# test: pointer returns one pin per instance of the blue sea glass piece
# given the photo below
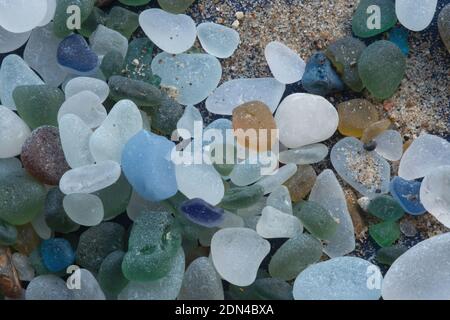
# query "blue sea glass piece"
(407, 193)
(146, 162)
(57, 254)
(399, 36)
(202, 213)
(320, 77)
(75, 55)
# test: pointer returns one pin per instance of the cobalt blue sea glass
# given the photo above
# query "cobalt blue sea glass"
(75, 54)
(202, 213)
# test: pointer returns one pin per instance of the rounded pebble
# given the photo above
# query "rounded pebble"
(237, 254)
(218, 40)
(43, 157)
(173, 33)
(284, 63)
(90, 178)
(298, 115)
(84, 209)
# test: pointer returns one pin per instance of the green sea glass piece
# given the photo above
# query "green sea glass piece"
(344, 55)
(366, 17)
(316, 219)
(112, 64)
(38, 105)
(139, 59)
(96, 243)
(110, 276)
(388, 255)
(166, 115)
(66, 14)
(385, 233)
(294, 256)
(262, 289)
(242, 197)
(386, 208)
(175, 6)
(382, 66)
(96, 17)
(142, 93)
(154, 242)
(123, 21)
(135, 3)
(21, 198)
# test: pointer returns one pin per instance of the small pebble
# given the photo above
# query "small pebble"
(123, 122)
(235, 92)
(285, 64)
(280, 199)
(14, 72)
(407, 194)
(195, 75)
(76, 56)
(202, 213)
(319, 77)
(57, 254)
(80, 84)
(382, 66)
(425, 154)
(310, 154)
(415, 15)
(363, 18)
(147, 167)
(87, 106)
(43, 157)
(84, 209)
(408, 229)
(201, 274)
(173, 33)
(237, 254)
(434, 195)
(297, 129)
(90, 178)
(218, 40)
